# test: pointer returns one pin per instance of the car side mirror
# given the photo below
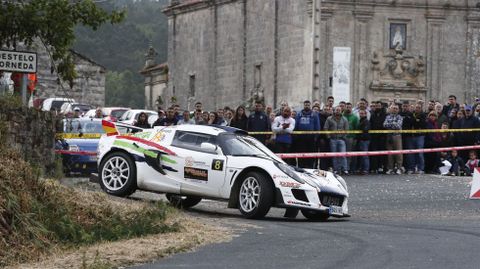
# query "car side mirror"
(208, 147)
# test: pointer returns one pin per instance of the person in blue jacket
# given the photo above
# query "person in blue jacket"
(258, 121)
(306, 120)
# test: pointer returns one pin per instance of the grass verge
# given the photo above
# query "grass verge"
(37, 216)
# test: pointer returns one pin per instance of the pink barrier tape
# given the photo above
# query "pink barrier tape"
(369, 153)
(88, 153)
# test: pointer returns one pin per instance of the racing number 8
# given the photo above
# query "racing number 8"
(217, 165)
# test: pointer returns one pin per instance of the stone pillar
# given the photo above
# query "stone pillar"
(244, 52)
(472, 72)
(325, 56)
(361, 54)
(435, 49)
(316, 26)
(172, 44)
(213, 57)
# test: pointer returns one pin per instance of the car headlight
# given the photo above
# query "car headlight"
(289, 172)
(342, 181)
(73, 148)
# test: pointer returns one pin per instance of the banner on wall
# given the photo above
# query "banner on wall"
(341, 74)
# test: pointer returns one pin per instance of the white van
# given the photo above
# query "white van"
(55, 103)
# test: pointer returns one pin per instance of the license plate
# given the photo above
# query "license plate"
(335, 210)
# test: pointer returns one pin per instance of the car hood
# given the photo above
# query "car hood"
(319, 179)
(326, 181)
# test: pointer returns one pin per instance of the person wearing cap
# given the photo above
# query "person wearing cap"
(468, 138)
(76, 112)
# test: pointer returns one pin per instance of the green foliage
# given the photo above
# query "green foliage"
(122, 48)
(124, 89)
(8, 102)
(53, 22)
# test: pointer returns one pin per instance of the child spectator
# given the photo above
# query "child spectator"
(471, 163)
(457, 164)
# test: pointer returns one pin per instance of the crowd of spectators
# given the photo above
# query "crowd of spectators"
(284, 124)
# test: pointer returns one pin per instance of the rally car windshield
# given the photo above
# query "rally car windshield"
(242, 145)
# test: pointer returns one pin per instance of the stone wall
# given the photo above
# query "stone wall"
(88, 87)
(445, 33)
(229, 50)
(284, 48)
(32, 132)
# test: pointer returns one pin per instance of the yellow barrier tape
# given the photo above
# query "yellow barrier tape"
(379, 131)
(93, 136)
(81, 136)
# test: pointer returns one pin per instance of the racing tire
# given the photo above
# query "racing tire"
(117, 174)
(184, 202)
(315, 215)
(255, 195)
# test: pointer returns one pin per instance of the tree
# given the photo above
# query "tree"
(121, 48)
(52, 22)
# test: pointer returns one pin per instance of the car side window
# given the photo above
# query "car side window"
(191, 140)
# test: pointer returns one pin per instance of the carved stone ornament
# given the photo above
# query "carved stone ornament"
(256, 94)
(150, 57)
(397, 71)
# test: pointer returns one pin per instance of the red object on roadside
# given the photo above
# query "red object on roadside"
(31, 80)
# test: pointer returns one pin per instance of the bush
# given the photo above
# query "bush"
(37, 214)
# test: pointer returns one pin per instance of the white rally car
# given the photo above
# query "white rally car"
(191, 162)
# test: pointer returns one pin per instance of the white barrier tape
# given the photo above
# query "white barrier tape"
(369, 153)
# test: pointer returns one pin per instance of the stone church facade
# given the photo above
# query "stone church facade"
(227, 52)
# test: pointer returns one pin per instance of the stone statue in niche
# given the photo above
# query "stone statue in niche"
(398, 35)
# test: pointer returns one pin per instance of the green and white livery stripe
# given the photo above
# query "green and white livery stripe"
(126, 145)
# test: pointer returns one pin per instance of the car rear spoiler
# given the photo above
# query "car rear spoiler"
(110, 128)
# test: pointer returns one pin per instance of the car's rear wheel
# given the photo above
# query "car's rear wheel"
(118, 174)
(315, 215)
(255, 195)
(180, 201)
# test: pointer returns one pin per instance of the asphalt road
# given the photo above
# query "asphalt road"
(397, 222)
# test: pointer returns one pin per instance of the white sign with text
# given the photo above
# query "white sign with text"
(18, 61)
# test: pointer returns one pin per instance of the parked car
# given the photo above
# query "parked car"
(192, 162)
(81, 137)
(131, 116)
(36, 103)
(69, 107)
(109, 113)
(56, 103)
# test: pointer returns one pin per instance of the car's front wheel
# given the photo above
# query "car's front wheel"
(315, 215)
(118, 174)
(255, 195)
(179, 201)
